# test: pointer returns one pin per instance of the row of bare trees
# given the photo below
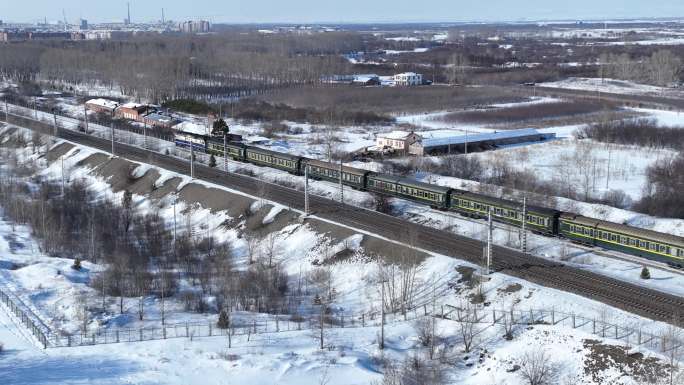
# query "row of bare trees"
(662, 68)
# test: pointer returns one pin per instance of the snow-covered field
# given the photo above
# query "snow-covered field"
(611, 86)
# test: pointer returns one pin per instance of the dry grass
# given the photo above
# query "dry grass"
(383, 100)
(534, 112)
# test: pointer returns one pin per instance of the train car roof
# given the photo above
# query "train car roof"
(220, 141)
(336, 166)
(273, 153)
(385, 177)
(508, 203)
(625, 229)
(425, 186)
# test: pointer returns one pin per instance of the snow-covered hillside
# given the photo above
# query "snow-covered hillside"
(50, 287)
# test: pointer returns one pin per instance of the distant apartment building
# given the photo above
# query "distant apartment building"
(7, 36)
(408, 79)
(84, 24)
(195, 26)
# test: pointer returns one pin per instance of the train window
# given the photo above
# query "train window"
(680, 253)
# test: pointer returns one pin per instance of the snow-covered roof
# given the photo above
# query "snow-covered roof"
(133, 106)
(508, 134)
(192, 128)
(407, 74)
(106, 103)
(395, 135)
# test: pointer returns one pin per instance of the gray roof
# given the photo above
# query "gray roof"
(424, 186)
(273, 153)
(507, 134)
(385, 177)
(336, 166)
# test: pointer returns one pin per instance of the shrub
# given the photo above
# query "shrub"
(77, 264)
(645, 273)
(223, 320)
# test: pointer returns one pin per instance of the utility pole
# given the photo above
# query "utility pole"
(306, 190)
(175, 198)
(112, 127)
(610, 149)
(225, 152)
(341, 185)
(162, 294)
(144, 134)
(523, 241)
(62, 161)
(466, 142)
(35, 107)
(434, 315)
(382, 317)
(6, 111)
(490, 229)
(192, 161)
(85, 117)
(54, 121)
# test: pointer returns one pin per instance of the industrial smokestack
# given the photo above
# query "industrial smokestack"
(128, 20)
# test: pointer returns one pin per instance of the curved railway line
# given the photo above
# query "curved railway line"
(639, 300)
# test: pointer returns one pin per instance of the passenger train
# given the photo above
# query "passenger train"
(588, 231)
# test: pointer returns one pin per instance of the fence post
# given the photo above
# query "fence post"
(187, 330)
(573, 321)
(553, 317)
(69, 340)
(593, 322)
(141, 334)
(639, 336)
(117, 336)
(425, 309)
(493, 317)
(616, 332)
(363, 320)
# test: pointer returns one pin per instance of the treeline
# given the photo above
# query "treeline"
(661, 68)
(161, 67)
(663, 196)
(641, 132)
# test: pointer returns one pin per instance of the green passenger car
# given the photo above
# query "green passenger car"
(235, 151)
(435, 196)
(612, 236)
(539, 219)
(279, 160)
(353, 177)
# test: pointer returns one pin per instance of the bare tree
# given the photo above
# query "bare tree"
(536, 368)
(508, 320)
(467, 319)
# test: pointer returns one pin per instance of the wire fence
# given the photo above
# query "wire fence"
(15, 307)
(630, 335)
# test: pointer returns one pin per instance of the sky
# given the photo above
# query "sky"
(338, 11)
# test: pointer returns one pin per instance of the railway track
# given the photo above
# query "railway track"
(632, 298)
